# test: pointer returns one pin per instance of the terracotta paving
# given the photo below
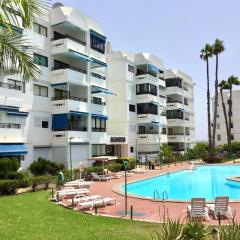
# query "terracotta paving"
(144, 209)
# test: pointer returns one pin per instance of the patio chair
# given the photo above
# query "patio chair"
(100, 177)
(221, 207)
(198, 209)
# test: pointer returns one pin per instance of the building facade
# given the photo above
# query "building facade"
(180, 110)
(221, 133)
(137, 111)
(67, 106)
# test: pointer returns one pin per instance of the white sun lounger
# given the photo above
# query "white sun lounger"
(80, 198)
(221, 206)
(78, 184)
(101, 201)
(71, 192)
(198, 209)
(100, 177)
(138, 170)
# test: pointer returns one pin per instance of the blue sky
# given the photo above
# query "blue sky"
(175, 31)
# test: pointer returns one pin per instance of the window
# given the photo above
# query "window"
(131, 149)
(98, 124)
(132, 108)
(44, 124)
(97, 41)
(131, 68)
(175, 114)
(146, 88)
(218, 125)
(231, 125)
(232, 137)
(219, 137)
(164, 131)
(40, 90)
(96, 100)
(174, 82)
(15, 84)
(147, 108)
(40, 60)
(98, 150)
(37, 28)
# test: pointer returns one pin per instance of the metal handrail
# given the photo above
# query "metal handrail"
(10, 125)
(69, 97)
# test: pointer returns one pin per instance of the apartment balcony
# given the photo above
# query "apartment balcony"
(97, 55)
(11, 133)
(99, 137)
(68, 46)
(148, 118)
(99, 108)
(148, 138)
(65, 104)
(98, 79)
(147, 78)
(161, 83)
(63, 137)
(180, 123)
(143, 98)
(163, 120)
(70, 74)
(179, 138)
(179, 105)
(173, 90)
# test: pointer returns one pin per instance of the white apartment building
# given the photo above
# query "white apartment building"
(180, 110)
(221, 133)
(137, 116)
(68, 103)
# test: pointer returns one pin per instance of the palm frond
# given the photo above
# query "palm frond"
(14, 58)
(218, 46)
(11, 10)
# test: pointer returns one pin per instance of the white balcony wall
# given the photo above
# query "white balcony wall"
(98, 109)
(99, 137)
(147, 78)
(98, 82)
(10, 135)
(147, 118)
(162, 83)
(64, 106)
(97, 55)
(62, 46)
(143, 98)
(148, 138)
(68, 75)
(62, 137)
(11, 97)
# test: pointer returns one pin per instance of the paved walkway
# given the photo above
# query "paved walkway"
(147, 210)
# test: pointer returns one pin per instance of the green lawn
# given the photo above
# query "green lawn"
(31, 216)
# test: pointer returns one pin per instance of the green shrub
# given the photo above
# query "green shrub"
(8, 187)
(200, 150)
(43, 167)
(41, 180)
(87, 171)
(213, 159)
(194, 230)
(114, 167)
(131, 162)
(8, 168)
(229, 232)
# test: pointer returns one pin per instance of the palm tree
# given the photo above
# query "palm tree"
(232, 80)
(218, 48)
(223, 85)
(207, 53)
(15, 50)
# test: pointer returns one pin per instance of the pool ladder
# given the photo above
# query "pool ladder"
(164, 195)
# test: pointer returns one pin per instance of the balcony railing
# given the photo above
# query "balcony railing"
(174, 101)
(98, 76)
(98, 103)
(156, 133)
(10, 125)
(69, 37)
(10, 86)
(69, 67)
(81, 129)
(70, 98)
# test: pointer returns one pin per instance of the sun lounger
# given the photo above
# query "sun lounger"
(100, 177)
(198, 209)
(80, 198)
(221, 207)
(68, 193)
(78, 184)
(101, 201)
(138, 171)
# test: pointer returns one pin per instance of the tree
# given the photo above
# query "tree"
(15, 50)
(232, 80)
(207, 53)
(225, 85)
(166, 153)
(218, 48)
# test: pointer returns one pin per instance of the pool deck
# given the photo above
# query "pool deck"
(145, 209)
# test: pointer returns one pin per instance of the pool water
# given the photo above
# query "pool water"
(206, 181)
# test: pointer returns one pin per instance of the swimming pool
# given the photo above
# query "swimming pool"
(205, 181)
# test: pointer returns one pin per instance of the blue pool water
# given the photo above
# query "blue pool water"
(205, 181)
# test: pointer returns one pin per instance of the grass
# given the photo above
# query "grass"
(32, 216)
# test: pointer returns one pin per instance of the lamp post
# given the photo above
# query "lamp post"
(125, 167)
(70, 150)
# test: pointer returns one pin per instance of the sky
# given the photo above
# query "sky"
(175, 31)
